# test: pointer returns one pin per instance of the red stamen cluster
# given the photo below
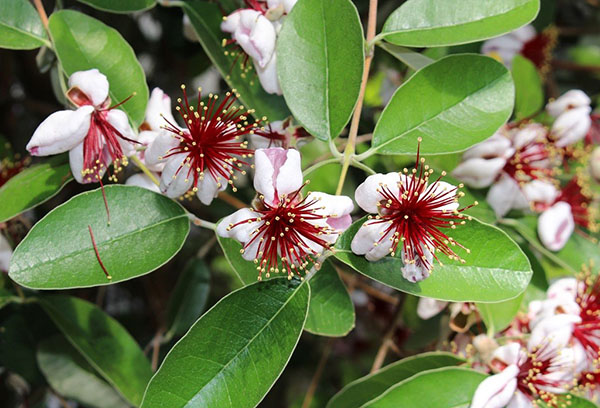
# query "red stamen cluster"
(416, 215)
(529, 162)
(539, 49)
(286, 234)
(212, 137)
(579, 196)
(588, 298)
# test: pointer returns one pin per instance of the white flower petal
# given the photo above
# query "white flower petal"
(505, 195)
(92, 83)
(574, 98)
(61, 131)
(208, 189)
(565, 287)
(5, 254)
(553, 332)
(571, 126)
(277, 172)
(369, 234)
(267, 76)
(76, 163)
(231, 22)
(555, 226)
(539, 191)
(428, 307)
(520, 400)
(367, 195)
(441, 188)
(242, 232)
(417, 271)
(142, 180)
(496, 146)
(529, 134)
(510, 354)
(159, 104)
(496, 390)
(478, 172)
(176, 178)
(119, 120)
(160, 147)
(525, 33)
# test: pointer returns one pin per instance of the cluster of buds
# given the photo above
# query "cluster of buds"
(254, 29)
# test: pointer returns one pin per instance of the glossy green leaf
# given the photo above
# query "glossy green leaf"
(103, 342)
(529, 92)
(188, 299)
(331, 312)
(448, 387)
(71, 376)
(82, 42)
(410, 58)
(244, 270)
(320, 58)
(20, 26)
(33, 186)
(451, 104)
(360, 391)
(497, 316)
(235, 352)
(120, 6)
(434, 23)
(206, 19)
(495, 270)
(146, 230)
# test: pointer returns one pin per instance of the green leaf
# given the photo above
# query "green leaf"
(434, 23)
(497, 316)
(495, 270)
(20, 26)
(448, 387)
(17, 346)
(82, 42)
(189, 298)
(320, 58)
(529, 93)
(71, 376)
(244, 270)
(33, 186)
(146, 230)
(236, 351)
(410, 58)
(120, 6)
(206, 19)
(103, 342)
(452, 104)
(360, 391)
(331, 312)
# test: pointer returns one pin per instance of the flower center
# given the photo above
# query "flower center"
(578, 194)
(528, 163)
(534, 380)
(212, 139)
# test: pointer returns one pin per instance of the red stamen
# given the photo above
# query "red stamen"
(98, 254)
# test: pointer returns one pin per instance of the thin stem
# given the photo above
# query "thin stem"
(145, 169)
(362, 166)
(199, 222)
(387, 339)
(365, 155)
(156, 349)
(232, 201)
(351, 146)
(319, 164)
(334, 149)
(310, 393)
(40, 9)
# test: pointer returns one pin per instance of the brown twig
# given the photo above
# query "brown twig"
(571, 66)
(310, 393)
(387, 338)
(156, 348)
(355, 281)
(40, 9)
(232, 201)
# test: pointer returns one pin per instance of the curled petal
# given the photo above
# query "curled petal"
(539, 191)
(278, 172)
(256, 35)
(231, 22)
(574, 98)
(243, 231)
(369, 241)
(478, 172)
(428, 307)
(5, 254)
(337, 209)
(76, 163)
(571, 126)
(416, 270)
(159, 148)
(529, 134)
(497, 390)
(119, 120)
(510, 354)
(368, 194)
(554, 332)
(61, 131)
(267, 76)
(92, 83)
(444, 191)
(208, 189)
(505, 195)
(520, 400)
(287, 4)
(159, 109)
(496, 146)
(175, 179)
(142, 180)
(565, 287)
(541, 309)
(555, 226)
(525, 33)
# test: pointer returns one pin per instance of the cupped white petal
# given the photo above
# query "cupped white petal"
(478, 172)
(564, 287)
(159, 109)
(209, 188)
(510, 354)
(176, 179)
(5, 254)
(61, 131)
(428, 307)
(574, 98)
(119, 120)
(497, 390)
(160, 147)
(369, 241)
(529, 134)
(144, 181)
(229, 228)
(571, 126)
(92, 83)
(278, 172)
(415, 270)
(520, 400)
(267, 76)
(231, 22)
(555, 226)
(256, 35)
(496, 146)
(539, 191)
(368, 193)
(506, 194)
(553, 332)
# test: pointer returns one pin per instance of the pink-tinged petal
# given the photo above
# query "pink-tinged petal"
(520, 400)
(5, 254)
(159, 109)
(565, 287)
(368, 194)
(541, 309)
(61, 131)
(369, 241)
(428, 307)
(256, 35)
(505, 195)
(529, 134)
(443, 190)
(159, 148)
(416, 271)
(92, 83)
(571, 126)
(208, 189)
(539, 191)
(267, 76)
(76, 163)
(331, 205)
(286, 4)
(496, 390)
(142, 180)
(555, 226)
(478, 172)
(525, 33)
(231, 22)
(241, 232)
(176, 179)
(510, 354)
(574, 98)
(278, 172)
(496, 146)
(119, 120)
(553, 332)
